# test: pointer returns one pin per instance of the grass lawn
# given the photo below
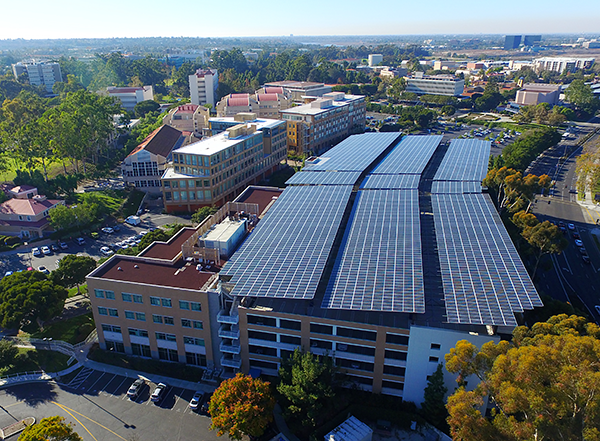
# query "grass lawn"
(33, 360)
(73, 291)
(73, 330)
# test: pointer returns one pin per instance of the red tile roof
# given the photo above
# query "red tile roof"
(27, 207)
(187, 108)
(267, 97)
(160, 142)
(274, 90)
(237, 102)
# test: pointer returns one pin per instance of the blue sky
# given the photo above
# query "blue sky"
(34, 19)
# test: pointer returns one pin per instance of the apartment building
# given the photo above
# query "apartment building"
(144, 166)
(562, 64)
(448, 85)
(130, 96)
(315, 127)
(203, 86)
(375, 59)
(299, 90)
(217, 169)
(39, 73)
(190, 118)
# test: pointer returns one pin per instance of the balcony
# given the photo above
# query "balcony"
(230, 349)
(234, 363)
(226, 331)
(226, 318)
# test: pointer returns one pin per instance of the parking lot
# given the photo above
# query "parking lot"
(96, 403)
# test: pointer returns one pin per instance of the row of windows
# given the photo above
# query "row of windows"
(108, 311)
(188, 195)
(270, 321)
(135, 298)
(154, 301)
(133, 315)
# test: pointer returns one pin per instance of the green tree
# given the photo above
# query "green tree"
(581, 95)
(28, 296)
(546, 238)
(202, 213)
(8, 352)
(307, 385)
(50, 429)
(61, 217)
(544, 385)
(141, 109)
(434, 407)
(72, 270)
(242, 406)
(158, 235)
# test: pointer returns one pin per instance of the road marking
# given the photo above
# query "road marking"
(89, 419)
(124, 379)
(102, 375)
(75, 418)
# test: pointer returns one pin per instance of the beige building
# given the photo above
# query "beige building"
(265, 103)
(298, 90)
(217, 169)
(190, 118)
(533, 94)
(317, 126)
(203, 86)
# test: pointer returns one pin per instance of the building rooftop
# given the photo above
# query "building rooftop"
(263, 196)
(168, 250)
(160, 142)
(186, 108)
(321, 105)
(27, 207)
(295, 84)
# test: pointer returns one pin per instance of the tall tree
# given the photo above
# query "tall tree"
(72, 270)
(434, 407)
(581, 95)
(546, 238)
(50, 429)
(242, 406)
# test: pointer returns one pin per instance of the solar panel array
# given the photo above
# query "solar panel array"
(455, 187)
(323, 178)
(465, 160)
(355, 153)
(410, 156)
(286, 253)
(379, 266)
(484, 279)
(389, 182)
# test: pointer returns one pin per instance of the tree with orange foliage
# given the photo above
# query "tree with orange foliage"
(242, 406)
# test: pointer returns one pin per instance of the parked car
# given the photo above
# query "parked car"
(36, 252)
(586, 259)
(107, 251)
(63, 246)
(80, 241)
(108, 230)
(8, 273)
(576, 235)
(197, 400)
(135, 388)
(159, 393)
(43, 269)
(46, 251)
(133, 220)
(54, 247)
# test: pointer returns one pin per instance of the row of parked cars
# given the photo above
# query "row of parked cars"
(200, 402)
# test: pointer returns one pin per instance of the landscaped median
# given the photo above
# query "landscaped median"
(17, 427)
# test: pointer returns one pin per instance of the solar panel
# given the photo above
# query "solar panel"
(379, 266)
(411, 155)
(355, 153)
(390, 182)
(465, 160)
(484, 279)
(323, 178)
(286, 253)
(455, 187)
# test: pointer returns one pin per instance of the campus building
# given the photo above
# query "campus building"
(298, 90)
(203, 86)
(315, 127)
(130, 96)
(266, 103)
(39, 73)
(190, 118)
(536, 93)
(382, 253)
(217, 169)
(512, 42)
(562, 64)
(448, 85)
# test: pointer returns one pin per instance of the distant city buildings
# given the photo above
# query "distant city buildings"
(203, 86)
(435, 84)
(39, 73)
(315, 127)
(562, 64)
(512, 42)
(531, 40)
(130, 96)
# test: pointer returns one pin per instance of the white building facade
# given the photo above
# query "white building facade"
(130, 96)
(39, 73)
(448, 85)
(203, 86)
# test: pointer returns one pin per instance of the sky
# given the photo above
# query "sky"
(41, 19)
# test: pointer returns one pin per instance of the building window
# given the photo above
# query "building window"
(165, 336)
(165, 302)
(138, 332)
(168, 354)
(262, 335)
(198, 324)
(99, 293)
(193, 341)
(185, 323)
(396, 339)
(113, 312)
(195, 306)
(290, 324)
(141, 350)
(436, 346)
(261, 364)
(169, 320)
(155, 301)
(115, 346)
(290, 339)
(141, 316)
(395, 355)
(394, 370)
(111, 328)
(261, 320)
(321, 329)
(392, 385)
(129, 315)
(321, 344)
(260, 350)
(434, 359)
(359, 334)
(157, 318)
(195, 359)
(126, 297)
(184, 305)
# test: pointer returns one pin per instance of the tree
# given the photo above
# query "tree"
(581, 95)
(145, 107)
(28, 296)
(8, 352)
(547, 238)
(202, 213)
(544, 385)
(61, 217)
(242, 406)
(72, 270)
(157, 235)
(433, 407)
(306, 383)
(50, 429)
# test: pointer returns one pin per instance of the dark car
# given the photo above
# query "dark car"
(54, 247)
(576, 235)
(135, 388)
(205, 406)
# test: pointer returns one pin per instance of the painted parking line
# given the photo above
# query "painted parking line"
(118, 381)
(99, 384)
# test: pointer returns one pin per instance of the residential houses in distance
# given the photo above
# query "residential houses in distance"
(130, 96)
(39, 72)
(25, 214)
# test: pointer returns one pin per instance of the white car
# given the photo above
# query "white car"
(46, 250)
(108, 230)
(107, 251)
(43, 269)
(36, 251)
(578, 243)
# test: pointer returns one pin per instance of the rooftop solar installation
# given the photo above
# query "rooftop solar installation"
(465, 160)
(455, 187)
(323, 178)
(484, 279)
(391, 182)
(355, 153)
(379, 265)
(286, 253)
(411, 155)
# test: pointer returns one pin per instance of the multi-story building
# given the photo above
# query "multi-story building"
(530, 40)
(535, 93)
(203, 86)
(266, 103)
(39, 73)
(144, 166)
(188, 118)
(298, 90)
(235, 103)
(375, 59)
(512, 42)
(562, 64)
(130, 96)
(359, 258)
(435, 84)
(317, 126)
(217, 169)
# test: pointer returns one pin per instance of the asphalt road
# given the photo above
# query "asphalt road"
(99, 409)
